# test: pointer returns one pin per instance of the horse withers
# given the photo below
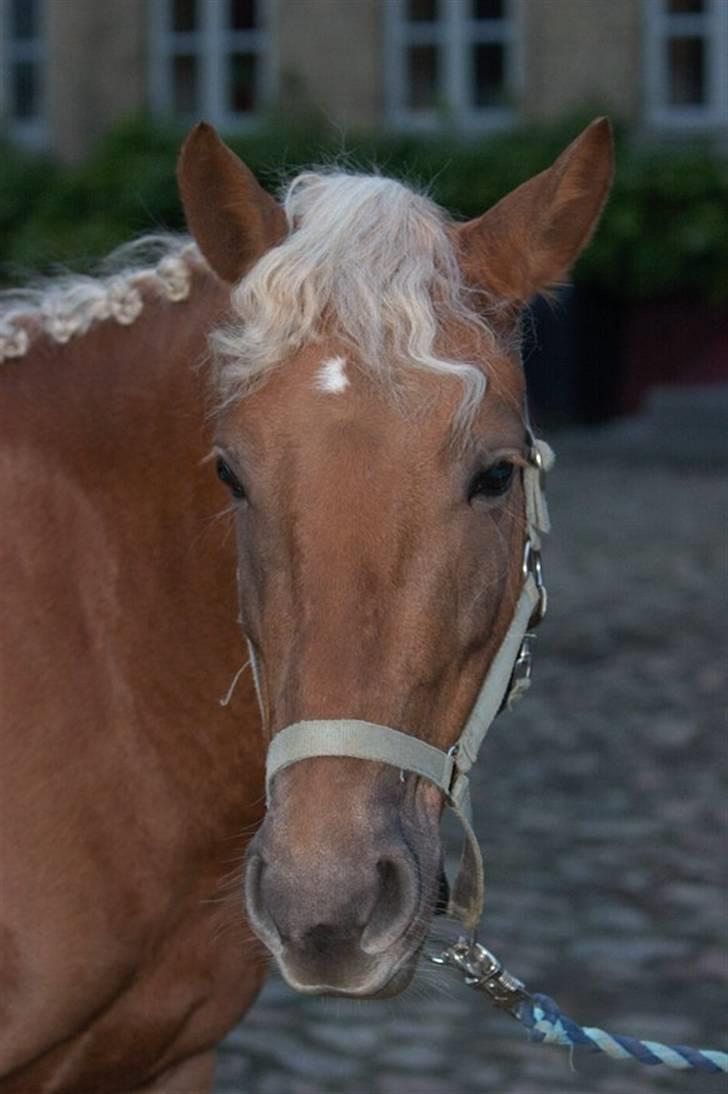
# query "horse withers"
(368, 423)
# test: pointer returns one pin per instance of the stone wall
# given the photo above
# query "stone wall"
(96, 69)
(582, 53)
(328, 57)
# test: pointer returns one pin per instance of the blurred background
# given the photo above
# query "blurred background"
(601, 804)
(468, 97)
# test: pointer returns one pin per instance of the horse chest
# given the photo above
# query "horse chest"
(192, 978)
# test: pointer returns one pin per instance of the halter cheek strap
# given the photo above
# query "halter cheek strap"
(505, 682)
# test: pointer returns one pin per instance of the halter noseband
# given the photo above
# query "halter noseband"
(505, 682)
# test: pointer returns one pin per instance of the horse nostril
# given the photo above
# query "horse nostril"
(261, 920)
(396, 904)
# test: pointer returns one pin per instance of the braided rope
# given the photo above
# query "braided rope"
(546, 1024)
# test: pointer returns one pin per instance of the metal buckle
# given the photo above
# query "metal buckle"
(482, 970)
(455, 773)
(536, 460)
(521, 675)
(532, 566)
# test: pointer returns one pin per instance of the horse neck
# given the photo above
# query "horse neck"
(112, 385)
(106, 438)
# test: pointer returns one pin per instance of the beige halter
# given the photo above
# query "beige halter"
(506, 680)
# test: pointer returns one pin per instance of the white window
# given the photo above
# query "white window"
(687, 62)
(210, 59)
(451, 60)
(22, 68)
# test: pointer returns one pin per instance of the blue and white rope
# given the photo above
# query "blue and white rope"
(546, 1024)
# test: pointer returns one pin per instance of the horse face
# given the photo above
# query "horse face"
(379, 562)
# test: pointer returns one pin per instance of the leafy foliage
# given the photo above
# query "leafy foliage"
(665, 229)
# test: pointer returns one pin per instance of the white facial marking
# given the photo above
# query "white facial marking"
(331, 376)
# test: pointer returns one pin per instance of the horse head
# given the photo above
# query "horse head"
(370, 427)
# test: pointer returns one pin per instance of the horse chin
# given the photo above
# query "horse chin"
(400, 979)
(381, 984)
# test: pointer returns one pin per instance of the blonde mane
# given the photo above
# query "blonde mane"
(66, 307)
(368, 260)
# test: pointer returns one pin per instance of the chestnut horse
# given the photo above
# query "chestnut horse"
(368, 425)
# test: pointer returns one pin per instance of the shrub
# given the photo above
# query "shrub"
(665, 229)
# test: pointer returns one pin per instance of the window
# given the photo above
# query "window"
(687, 62)
(209, 59)
(450, 59)
(22, 67)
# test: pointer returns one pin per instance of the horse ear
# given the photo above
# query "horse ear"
(529, 240)
(232, 218)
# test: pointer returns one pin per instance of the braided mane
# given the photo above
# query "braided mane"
(63, 308)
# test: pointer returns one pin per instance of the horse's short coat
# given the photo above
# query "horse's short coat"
(369, 577)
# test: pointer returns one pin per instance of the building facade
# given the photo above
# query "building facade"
(70, 68)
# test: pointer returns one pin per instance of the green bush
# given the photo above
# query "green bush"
(665, 229)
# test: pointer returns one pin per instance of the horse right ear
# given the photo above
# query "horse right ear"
(527, 243)
(232, 218)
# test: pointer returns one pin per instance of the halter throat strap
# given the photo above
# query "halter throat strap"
(447, 770)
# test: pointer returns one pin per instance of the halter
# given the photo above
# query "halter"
(505, 682)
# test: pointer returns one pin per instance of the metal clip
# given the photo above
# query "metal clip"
(483, 971)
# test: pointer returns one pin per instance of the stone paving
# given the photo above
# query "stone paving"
(601, 807)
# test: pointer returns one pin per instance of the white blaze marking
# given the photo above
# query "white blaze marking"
(331, 376)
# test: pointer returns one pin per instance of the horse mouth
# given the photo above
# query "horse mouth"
(379, 984)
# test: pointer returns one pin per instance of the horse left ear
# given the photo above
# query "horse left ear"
(528, 241)
(232, 218)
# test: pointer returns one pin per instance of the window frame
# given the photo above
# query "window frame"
(454, 33)
(211, 43)
(30, 131)
(659, 27)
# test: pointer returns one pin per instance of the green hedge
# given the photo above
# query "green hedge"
(665, 229)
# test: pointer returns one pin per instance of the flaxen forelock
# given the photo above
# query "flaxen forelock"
(371, 262)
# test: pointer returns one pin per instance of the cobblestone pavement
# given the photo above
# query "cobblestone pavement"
(601, 807)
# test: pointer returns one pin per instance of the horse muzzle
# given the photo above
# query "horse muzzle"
(344, 907)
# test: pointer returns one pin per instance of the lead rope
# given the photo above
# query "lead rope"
(546, 1024)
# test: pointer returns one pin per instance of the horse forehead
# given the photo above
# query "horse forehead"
(325, 404)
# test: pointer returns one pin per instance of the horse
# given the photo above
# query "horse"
(362, 402)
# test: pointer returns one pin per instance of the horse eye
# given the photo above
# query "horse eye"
(492, 482)
(227, 476)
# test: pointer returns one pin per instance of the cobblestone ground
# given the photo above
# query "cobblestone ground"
(601, 807)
